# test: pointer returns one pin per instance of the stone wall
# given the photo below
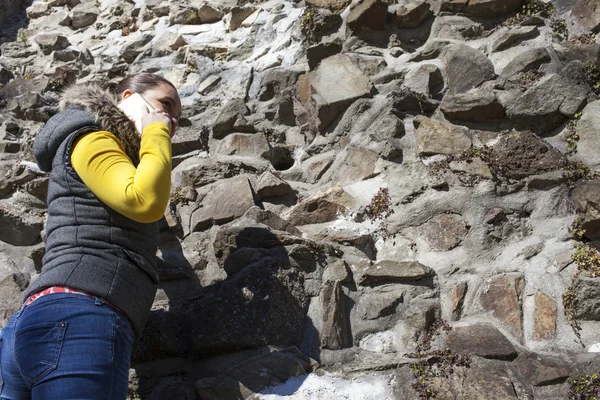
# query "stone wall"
(404, 194)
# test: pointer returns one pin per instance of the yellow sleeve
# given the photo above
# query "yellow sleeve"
(140, 194)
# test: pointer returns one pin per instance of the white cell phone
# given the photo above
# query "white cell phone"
(133, 107)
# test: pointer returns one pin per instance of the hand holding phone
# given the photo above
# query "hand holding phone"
(141, 112)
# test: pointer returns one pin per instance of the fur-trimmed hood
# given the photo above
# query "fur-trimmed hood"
(83, 106)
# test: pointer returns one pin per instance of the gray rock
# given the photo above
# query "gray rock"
(229, 239)
(19, 228)
(314, 167)
(455, 27)
(586, 17)
(587, 128)
(412, 15)
(335, 84)
(586, 305)
(269, 185)
(337, 271)
(427, 79)
(379, 304)
(393, 271)
(435, 137)
(320, 207)
(238, 15)
(545, 105)
(208, 14)
(492, 8)
(228, 200)
(514, 36)
(530, 59)
(479, 105)
(84, 15)
(483, 340)
(540, 370)
(167, 43)
(318, 52)
(387, 126)
(367, 15)
(466, 68)
(11, 293)
(38, 9)
(485, 384)
(271, 220)
(231, 115)
(584, 197)
(246, 145)
(335, 333)
(180, 14)
(50, 42)
(354, 164)
(166, 335)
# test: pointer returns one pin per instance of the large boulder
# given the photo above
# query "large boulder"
(480, 105)
(227, 200)
(545, 105)
(530, 59)
(367, 15)
(335, 84)
(585, 196)
(466, 68)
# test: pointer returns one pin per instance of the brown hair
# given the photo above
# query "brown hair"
(141, 82)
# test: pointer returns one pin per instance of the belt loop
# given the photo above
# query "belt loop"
(98, 301)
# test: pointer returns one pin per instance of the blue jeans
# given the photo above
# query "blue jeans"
(65, 346)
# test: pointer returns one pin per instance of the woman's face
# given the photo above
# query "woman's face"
(162, 97)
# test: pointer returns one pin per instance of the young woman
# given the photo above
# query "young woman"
(108, 187)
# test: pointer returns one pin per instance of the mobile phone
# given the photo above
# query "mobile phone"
(133, 107)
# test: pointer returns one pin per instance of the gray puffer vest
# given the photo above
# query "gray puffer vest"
(89, 246)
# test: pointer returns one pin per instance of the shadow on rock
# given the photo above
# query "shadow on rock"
(238, 336)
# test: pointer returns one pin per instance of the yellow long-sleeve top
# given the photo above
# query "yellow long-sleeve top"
(141, 193)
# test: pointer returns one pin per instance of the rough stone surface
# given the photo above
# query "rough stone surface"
(229, 199)
(586, 15)
(321, 207)
(544, 321)
(458, 300)
(334, 85)
(502, 295)
(512, 37)
(445, 232)
(482, 340)
(586, 305)
(519, 154)
(476, 105)
(412, 15)
(466, 68)
(435, 137)
(269, 185)
(528, 60)
(393, 271)
(367, 15)
(335, 334)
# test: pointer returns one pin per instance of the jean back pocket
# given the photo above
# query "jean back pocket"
(38, 348)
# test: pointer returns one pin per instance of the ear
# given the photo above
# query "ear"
(126, 94)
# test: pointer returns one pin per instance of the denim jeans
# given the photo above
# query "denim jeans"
(65, 346)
